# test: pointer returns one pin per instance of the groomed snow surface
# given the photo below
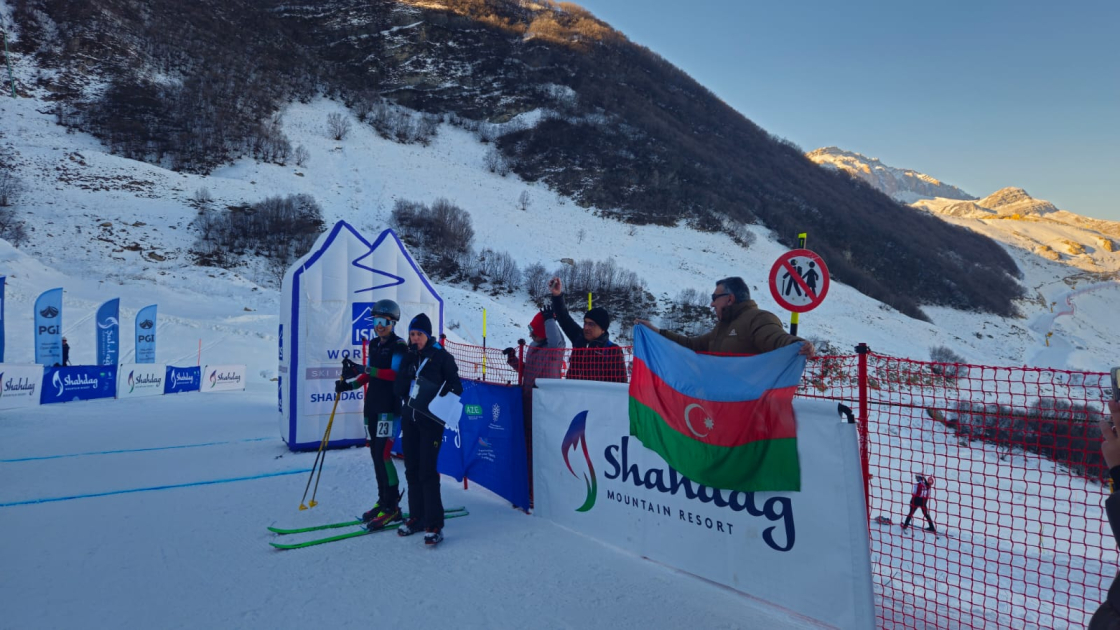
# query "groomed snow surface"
(177, 538)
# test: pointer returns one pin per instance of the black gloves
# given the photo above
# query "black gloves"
(341, 386)
(547, 313)
(350, 369)
(509, 352)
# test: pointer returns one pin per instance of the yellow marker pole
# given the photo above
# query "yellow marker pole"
(589, 300)
(795, 318)
(483, 345)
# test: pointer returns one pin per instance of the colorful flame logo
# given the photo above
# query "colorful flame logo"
(576, 436)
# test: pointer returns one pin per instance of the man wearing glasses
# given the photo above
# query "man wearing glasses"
(741, 327)
(382, 408)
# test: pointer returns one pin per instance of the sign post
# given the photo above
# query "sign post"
(799, 282)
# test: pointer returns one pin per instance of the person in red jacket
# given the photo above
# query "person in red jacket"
(918, 498)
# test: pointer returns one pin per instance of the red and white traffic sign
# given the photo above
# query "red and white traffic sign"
(799, 280)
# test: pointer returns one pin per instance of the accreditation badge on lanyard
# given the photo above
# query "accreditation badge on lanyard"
(414, 391)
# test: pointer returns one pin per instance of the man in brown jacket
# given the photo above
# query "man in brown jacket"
(743, 328)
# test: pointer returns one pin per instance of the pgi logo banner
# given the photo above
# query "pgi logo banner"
(48, 327)
(361, 323)
(146, 335)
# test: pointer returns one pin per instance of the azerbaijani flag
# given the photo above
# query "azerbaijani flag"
(724, 422)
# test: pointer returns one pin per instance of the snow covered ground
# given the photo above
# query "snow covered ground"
(152, 514)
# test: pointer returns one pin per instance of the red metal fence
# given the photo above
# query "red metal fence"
(1021, 539)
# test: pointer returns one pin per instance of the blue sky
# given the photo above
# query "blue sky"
(981, 94)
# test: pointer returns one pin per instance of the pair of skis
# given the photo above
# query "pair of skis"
(454, 512)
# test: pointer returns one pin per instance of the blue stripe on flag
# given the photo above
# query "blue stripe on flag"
(723, 379)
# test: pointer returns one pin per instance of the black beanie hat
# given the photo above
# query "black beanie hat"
(422, 324)
(600, 316)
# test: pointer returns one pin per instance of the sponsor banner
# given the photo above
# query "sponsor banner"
(20, 385)
(86, 382)
(182, 379)
(2, 281)
(225, 378)
(108, 330)
(805, 552)
(140, 379)
(48, 328)
(489, 448)
(146, 335)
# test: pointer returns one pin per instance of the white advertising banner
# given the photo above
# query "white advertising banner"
(19, 385)
(223, 378)
(804, 552)
(325, 317)
(140, 379)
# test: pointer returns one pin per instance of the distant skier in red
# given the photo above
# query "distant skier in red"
(918, 500)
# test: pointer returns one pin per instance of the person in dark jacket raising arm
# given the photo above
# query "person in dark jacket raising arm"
(426, 372)
(594, 356)
(1107, 616)
(741, 327)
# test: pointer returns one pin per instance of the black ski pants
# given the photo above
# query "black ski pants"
(915, 505)
(422, 438)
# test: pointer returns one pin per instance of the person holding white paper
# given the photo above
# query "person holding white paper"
(427, 371)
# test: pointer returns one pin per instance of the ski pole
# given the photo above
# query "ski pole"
(322, 446)
(322, 461)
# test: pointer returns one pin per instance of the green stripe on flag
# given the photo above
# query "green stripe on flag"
(760, 466)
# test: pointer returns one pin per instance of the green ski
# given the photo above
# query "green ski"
(361, 532)
(315, 528)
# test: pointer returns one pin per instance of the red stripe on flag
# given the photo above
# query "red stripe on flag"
(713, 422)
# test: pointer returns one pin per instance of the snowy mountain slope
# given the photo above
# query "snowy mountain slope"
(904, 185)
(358, 179)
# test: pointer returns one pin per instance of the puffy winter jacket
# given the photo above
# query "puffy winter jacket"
(743, 329)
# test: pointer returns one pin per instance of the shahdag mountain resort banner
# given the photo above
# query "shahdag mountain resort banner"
(325, 316)
(108, 332)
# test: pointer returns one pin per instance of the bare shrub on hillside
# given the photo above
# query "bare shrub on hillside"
(338, 125)
(945, 355)
(687, 313)
(536, 277)
(495, 162)
(621, 291)
(440, 235)
(301, 155)
(500, 268)
(11, 187)
(279, 229)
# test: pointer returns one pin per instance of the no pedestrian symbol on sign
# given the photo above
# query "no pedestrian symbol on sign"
(799, 280)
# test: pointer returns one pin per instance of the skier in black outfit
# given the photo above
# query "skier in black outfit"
(594, 356)
(382, 407)
(65, 352)
(427, 371)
